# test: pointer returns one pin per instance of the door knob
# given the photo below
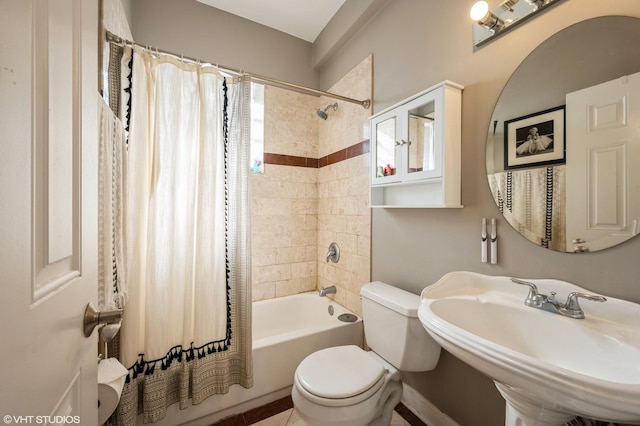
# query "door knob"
(93, 318)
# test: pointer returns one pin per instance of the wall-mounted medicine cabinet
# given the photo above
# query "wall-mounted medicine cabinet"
(415, 150)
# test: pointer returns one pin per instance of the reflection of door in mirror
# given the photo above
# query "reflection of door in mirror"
(386, 147)
(603, 135)
(421, 148)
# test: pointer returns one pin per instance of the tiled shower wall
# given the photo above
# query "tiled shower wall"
(314, 191)
(284, 210)
(344, 215)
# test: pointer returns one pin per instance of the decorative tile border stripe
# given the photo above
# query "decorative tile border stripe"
(316, 163)
(290, 160)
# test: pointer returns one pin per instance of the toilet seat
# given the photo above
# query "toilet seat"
(339, 376)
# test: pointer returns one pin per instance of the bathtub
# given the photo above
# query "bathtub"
(285, 330)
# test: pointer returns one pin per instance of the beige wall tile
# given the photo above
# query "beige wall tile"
(295, 286)
(297, 211)
(290, 123)
(271, 273)
(263, 291)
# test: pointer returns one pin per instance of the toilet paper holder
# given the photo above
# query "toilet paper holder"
(93, 318)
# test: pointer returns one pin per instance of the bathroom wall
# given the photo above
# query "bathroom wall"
(194, 29)
(343, 187)
(284, 206)
(314, 191)
(415, 44)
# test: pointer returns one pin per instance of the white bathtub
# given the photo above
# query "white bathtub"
(285, 330)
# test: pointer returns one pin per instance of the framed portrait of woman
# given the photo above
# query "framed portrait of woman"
(535, 140)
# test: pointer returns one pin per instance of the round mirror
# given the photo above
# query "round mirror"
(563, 150)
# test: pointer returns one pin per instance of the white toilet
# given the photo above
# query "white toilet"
(345, 385)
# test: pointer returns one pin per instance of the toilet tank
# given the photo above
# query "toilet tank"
(392, 328)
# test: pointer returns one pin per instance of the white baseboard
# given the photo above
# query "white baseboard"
(424, 409)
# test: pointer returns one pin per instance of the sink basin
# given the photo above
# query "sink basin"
(548, 367)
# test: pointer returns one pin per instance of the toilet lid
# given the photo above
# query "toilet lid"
(339, 372)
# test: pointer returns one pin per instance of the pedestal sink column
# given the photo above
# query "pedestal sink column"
(524, 411)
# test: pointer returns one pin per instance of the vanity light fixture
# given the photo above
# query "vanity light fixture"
(536, 3)
(491, 23)
(483, 16)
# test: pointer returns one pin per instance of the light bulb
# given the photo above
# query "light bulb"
(479, 10)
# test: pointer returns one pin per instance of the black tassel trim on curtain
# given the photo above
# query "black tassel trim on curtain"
(225, 132)
(509, 200)
(548, 220)
(179, 353)
(127, 90)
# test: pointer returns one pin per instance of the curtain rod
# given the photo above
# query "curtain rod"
(112, 38)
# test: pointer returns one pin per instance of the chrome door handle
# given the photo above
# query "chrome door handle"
(93, 318)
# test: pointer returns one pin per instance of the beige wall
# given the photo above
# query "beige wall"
(415, 44)
(343, 187)
(284, 209)
(194, 29)
(298, 211)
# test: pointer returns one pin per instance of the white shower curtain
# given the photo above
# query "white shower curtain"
(187, 327)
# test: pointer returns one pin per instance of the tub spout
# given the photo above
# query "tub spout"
(328, 290)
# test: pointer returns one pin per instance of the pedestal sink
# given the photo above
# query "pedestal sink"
(549, 368)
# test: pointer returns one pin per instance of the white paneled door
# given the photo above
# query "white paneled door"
(48, 210)
(603, 156)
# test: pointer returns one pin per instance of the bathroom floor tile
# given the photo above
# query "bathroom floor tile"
(282, 413)
(295, 420)
(266, 411)
(280, 419)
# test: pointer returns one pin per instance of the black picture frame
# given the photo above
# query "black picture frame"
(535, 140)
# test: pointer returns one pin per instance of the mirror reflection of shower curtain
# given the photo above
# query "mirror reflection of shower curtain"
(533, 202)
(186, 235)
(421, 145)
(428, 161)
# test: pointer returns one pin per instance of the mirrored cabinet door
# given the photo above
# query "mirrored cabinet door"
(422, 155)
(387, 149)
(421, 149)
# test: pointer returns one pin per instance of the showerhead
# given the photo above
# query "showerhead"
(322, 113)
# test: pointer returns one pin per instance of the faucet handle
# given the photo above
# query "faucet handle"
(573, 305)
(533, 298)
(334, 253)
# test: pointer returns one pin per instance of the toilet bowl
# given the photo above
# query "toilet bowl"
(348, 386)
(345, 385)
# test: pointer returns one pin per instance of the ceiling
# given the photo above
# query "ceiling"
(304, 19)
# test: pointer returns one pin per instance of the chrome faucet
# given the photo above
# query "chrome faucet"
(328, 290)
(571, 308)
(334, 253)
